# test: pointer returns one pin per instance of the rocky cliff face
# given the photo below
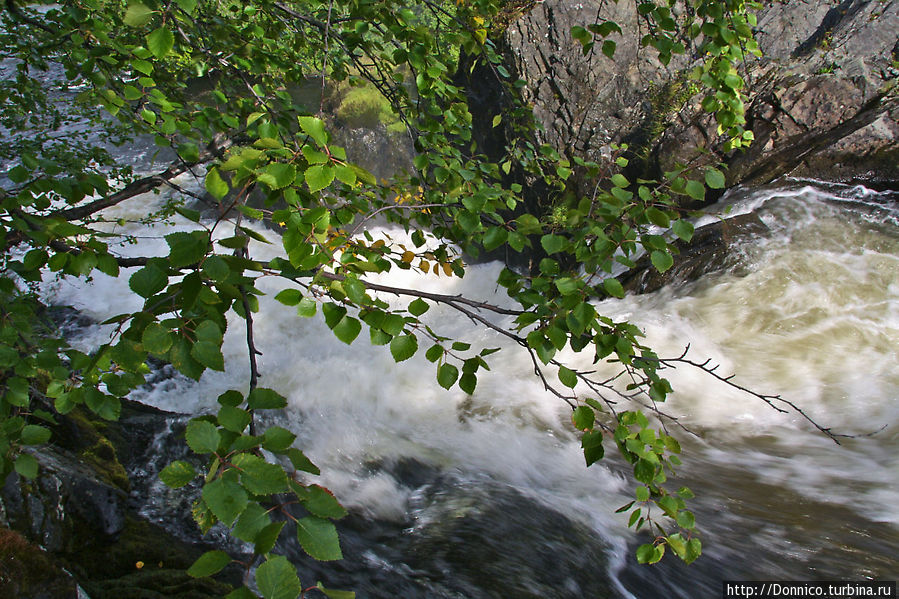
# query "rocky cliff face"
(823, 100)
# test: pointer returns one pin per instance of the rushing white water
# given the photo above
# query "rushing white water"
(811, 311)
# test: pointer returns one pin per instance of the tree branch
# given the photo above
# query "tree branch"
(768, 399)
(436, 297)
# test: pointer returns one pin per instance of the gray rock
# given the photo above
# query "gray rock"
(823, 100)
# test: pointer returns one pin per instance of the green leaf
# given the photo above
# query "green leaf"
(608, 48)
(583, 418)
(216, 268)
(277, 439)
(301, 462)
(278, 175)
(468, 382)
(307, 307)
(695, 190)
(177, 474)
(215, 185)
(209, 354)
(148, 281)
(332, 594)
(495, 237)
(569, 379)
(355, 290)
(138, 15)
(277, 579)
(188, 6)
(553, 243)
(403, 347)
(686, 519)
(258, 476)
(683, 229)
(314, 128)
(144, 66)
(642, 493)
(318, 537)
(251, 522)
(434, 353)
(267, 537)
(33, 434)
(418, 307)
(289, 297)
(645, 553)
(657, 217)
(234, 419)
(678, 544)
(26, 465)
(619, 180)
(226, 499)
(156, 339)
(345, 174)
(261, 398)
(644, 471)
(686, 493)
(693, 550)
(347, 329)
(319, 176)
(662, 260)
(160, 42)
(447, 375)
(321, 503)
(202, 436)
(591, 442)
(179, 356)
(613, 287)
(714, 178)
(103, 405)
(187, 249)
(211, 562)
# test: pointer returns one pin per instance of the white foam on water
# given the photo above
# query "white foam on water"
(814, 315)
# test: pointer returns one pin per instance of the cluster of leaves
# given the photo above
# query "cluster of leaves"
(210, 81)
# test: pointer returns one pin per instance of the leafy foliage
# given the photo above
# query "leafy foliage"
(210, 81)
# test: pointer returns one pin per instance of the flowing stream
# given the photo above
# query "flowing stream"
(487, 495)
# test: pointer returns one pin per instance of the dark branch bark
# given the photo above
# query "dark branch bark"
(20, 16)
(141, 185)
(436, 297)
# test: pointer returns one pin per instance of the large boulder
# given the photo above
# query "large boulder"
(823, 99)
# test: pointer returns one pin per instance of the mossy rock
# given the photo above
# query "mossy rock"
(86, 435)
(28, 572)
(157, 584)
(364, 107)
(145, 561)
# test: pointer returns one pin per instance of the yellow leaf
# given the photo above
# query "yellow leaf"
(425, 266)
(447, 269)
(408, 257)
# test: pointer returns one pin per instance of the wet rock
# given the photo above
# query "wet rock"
(709, 251)
(488, 540)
